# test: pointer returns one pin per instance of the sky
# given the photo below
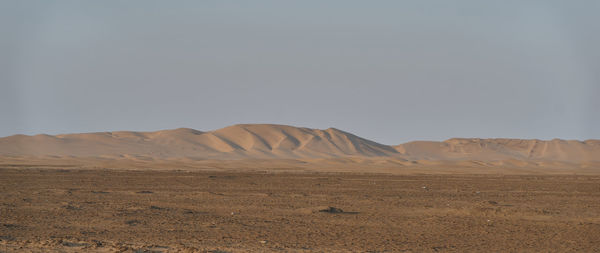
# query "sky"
(389, 71)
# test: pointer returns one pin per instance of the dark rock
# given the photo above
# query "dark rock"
(331, 210)
(157, 208)
(132, 222)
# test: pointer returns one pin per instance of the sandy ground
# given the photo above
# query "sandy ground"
(46, 210)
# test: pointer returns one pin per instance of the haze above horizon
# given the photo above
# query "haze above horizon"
(387, 71)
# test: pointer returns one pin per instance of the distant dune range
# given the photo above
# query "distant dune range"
(280, 142)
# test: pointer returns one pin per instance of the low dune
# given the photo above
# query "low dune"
(503, 149)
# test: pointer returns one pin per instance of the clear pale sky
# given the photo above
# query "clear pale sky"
(390, 71)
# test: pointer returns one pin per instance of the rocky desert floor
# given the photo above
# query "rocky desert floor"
(100, 210)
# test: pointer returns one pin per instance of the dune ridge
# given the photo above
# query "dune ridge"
(270, 141)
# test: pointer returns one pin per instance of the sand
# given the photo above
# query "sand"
(73, 210)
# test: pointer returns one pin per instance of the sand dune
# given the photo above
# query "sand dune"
(267, 141)
(503, 149)
(234, 142)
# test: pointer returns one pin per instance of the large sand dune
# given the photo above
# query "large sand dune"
(234, 142)
(265, 141)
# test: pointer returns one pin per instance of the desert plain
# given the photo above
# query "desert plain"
(273, 188)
